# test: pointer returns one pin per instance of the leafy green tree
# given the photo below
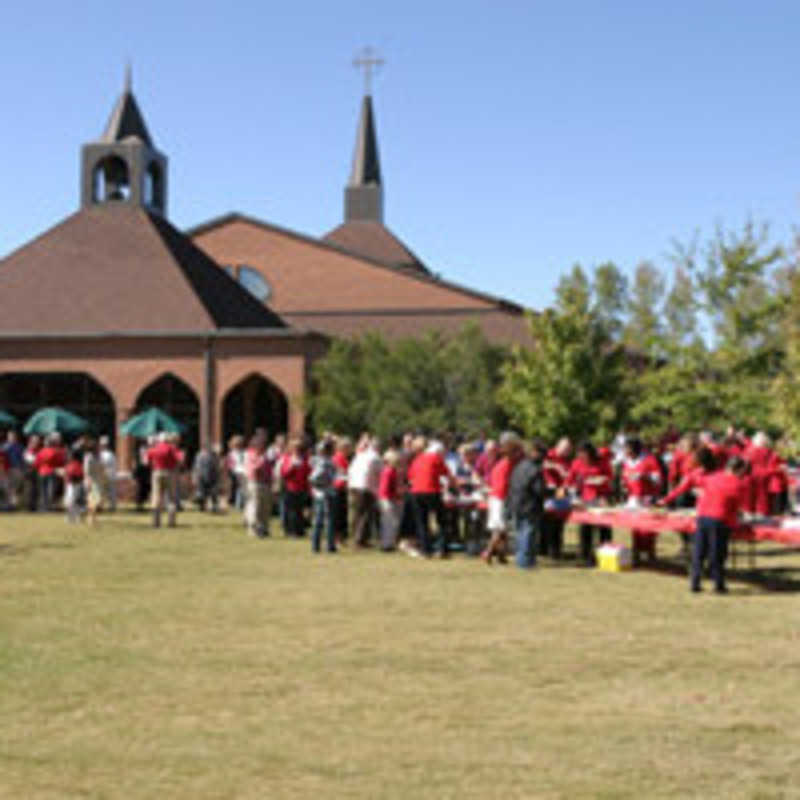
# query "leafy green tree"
(680, 326)
(610, 291)
(432, 383)
(725, 376)
(571, 381)
(644, 328)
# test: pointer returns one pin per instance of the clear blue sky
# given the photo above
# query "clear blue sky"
(516, 138)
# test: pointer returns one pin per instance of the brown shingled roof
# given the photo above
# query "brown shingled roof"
(499, 326)
(374, 240)
(118, 268)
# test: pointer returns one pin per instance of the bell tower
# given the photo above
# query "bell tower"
(123, 166)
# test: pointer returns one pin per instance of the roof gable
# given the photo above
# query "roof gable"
(209, 235)
(118, 268)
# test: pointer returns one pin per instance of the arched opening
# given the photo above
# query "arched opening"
(176, 398)
(23, 393)
(153, 190)
(111, 180)
(254, 403)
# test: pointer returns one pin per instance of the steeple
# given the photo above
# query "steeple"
(363, 196)
(123, 165)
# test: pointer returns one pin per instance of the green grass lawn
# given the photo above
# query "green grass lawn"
(199, 663)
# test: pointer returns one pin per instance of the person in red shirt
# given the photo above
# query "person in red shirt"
(73, 480)
(341, 460)
(591, 477)
(389, 503)
(641, 478)
(295, 470)
(163, 458)
(426, 473)
(718, 508)
(512, 451)
(487, 459)
(763, 465)
(680, 465)
(556, 466)
(778, 487)
(48, 463)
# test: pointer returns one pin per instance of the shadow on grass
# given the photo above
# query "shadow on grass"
(758, 581)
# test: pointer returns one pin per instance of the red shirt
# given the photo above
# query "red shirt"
(720, 494)
(3, 462)
(73, 472)
(682, 464)
(341, 463)
(778, 480)
(163, 456)
(642, 477)
(500, 478)
(49, 459)
(426, 472)
(762, 465)
(387, 490)
(556, 468)
(295, 472)
(485, 464)
(592, 481)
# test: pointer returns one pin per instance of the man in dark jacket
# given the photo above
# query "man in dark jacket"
(526, 504)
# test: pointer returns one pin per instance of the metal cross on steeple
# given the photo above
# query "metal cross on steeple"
(369, 61)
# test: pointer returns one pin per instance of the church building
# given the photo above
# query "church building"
(114, 310)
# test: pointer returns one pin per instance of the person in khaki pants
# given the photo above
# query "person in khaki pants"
(163, 458)
(258, 472)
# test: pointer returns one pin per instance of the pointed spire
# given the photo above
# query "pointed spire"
(126, 120)
(366, 164)
(364, 191)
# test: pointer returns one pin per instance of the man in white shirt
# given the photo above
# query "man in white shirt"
(363, 480)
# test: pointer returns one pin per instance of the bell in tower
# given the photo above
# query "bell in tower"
(123, 166)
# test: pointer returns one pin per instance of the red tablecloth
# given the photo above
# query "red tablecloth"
(656, 523)
(659, 523)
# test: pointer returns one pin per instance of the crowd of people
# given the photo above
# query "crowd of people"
(418, 494)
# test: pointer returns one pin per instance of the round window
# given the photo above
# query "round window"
(254, 282)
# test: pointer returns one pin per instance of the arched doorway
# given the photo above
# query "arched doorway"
(254, 403)
(23, 393)
(176, 398)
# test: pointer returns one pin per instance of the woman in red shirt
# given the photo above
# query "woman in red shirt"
(295, 469)
(499, 481)
(389, 500)
(718, 507)
(641, 477)
(763, 465)
(556, 466)
(49, 462)
(591, 478)
(341, 460)
(426, 474)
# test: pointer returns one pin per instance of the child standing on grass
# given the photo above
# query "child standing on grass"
(73, 479)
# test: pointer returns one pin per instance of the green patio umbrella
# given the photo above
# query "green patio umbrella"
(55, 420)
(7, 420)
(149, 422)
